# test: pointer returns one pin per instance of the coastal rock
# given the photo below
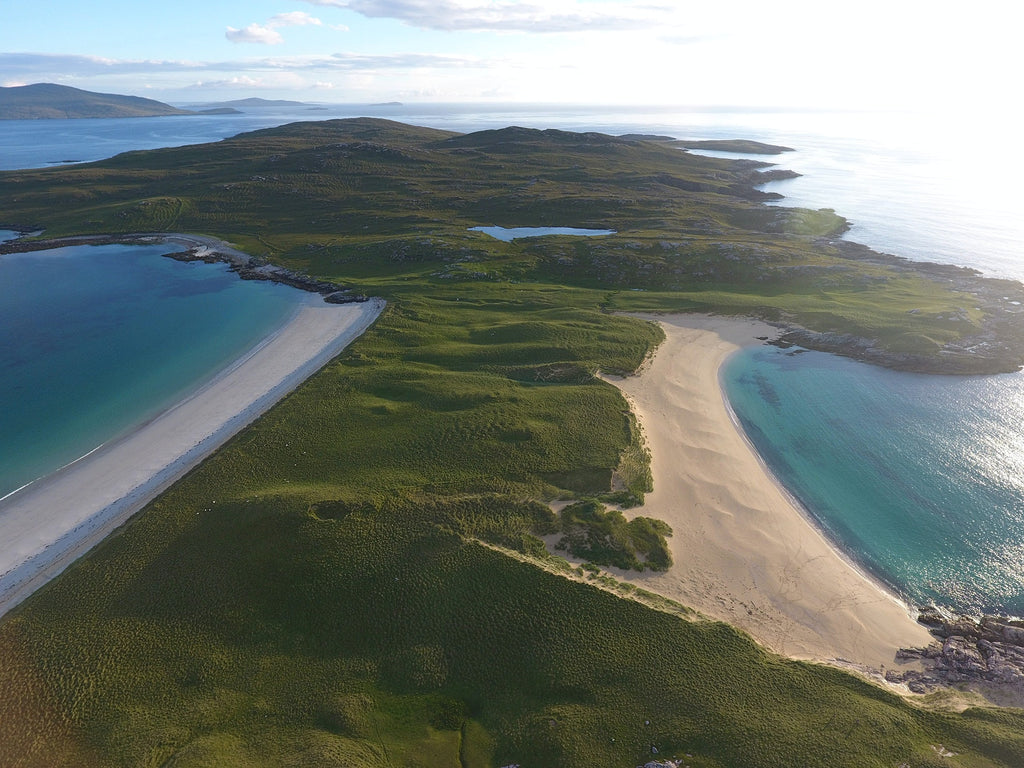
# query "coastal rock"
(931, 616)
(962, 655)
(345, 297)
(986, 650)
(246, 267)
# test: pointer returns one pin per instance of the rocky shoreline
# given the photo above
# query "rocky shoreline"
(987, 651)
(205, 249)
(998, 348)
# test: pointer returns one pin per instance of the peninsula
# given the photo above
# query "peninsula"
(360, 577)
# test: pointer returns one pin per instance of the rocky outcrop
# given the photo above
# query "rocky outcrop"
(251, 268)
(205, 250)
(988, 650)
(985, 353)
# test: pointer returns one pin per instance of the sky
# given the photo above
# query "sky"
(872, 54)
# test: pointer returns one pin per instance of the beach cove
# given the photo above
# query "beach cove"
(743, 551)
(47, 524)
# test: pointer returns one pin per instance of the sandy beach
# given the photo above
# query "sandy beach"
(48, 524)
(743, 551)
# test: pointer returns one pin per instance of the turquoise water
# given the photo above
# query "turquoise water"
(919, 478)
(97, 339)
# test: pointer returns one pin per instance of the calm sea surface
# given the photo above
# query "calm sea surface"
(918, 478)
(95, 340)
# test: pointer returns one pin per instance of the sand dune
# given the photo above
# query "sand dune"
(46, 525)
(743, 551)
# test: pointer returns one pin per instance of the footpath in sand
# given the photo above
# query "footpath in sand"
(743, 552)
(46, 525)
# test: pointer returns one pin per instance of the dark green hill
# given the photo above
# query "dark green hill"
(374, 201)
(51, 101)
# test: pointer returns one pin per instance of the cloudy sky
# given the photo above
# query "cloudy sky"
(791, 53)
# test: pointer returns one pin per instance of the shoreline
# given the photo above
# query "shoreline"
(846, 557)
(197, 248)
(744, 550)
(100, 491)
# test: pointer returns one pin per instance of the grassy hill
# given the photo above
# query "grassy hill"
(356, 579)
(377, 203)
(50, 101)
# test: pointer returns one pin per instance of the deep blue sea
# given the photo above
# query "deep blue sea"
(920, 479)
(95, 340)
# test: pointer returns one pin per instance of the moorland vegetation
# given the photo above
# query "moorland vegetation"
(358, 578)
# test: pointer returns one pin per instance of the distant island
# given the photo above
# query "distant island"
(256, 102)
(49, 101)
(745, 146)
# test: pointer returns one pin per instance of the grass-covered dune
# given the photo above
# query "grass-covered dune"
(356, 579)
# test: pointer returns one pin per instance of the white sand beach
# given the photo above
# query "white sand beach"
(48, 524)
(744, 552)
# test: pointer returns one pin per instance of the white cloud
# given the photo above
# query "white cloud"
(400, 61)
(509, 15)
(254, 33)
(22, 68)
(35, 65)
(267, 34)
(294, 19)
(232, 82)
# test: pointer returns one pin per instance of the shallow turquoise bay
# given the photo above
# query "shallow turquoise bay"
(95, 340)
(919, 478)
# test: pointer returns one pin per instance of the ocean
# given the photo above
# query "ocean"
(917, 478)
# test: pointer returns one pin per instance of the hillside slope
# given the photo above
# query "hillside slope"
(50, 101)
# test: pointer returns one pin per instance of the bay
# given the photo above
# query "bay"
(919, 479)
(95, 340)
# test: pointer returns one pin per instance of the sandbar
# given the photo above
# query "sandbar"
(48, 524)
(743, 551)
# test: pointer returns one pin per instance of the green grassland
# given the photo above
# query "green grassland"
(380, 206)
(356, 578)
